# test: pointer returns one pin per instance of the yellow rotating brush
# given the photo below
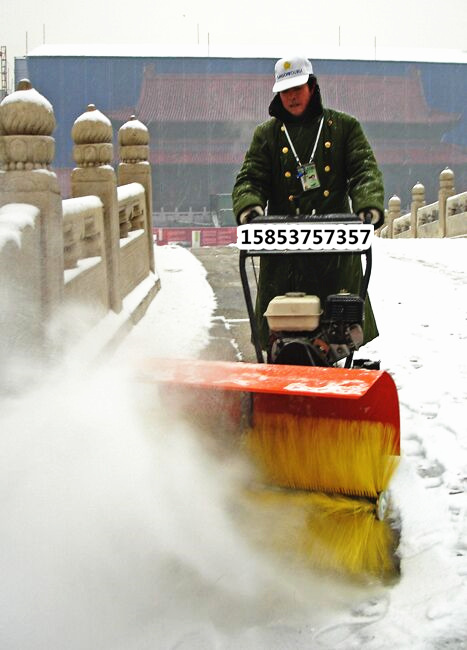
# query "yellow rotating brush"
(331, 473)
(323, 454)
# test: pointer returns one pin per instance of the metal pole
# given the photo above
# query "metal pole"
(249, 306)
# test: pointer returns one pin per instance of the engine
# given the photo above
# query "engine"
(303, 334)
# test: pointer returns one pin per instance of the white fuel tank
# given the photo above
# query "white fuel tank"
(293, 312)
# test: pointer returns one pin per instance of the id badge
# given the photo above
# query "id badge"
(308, 176)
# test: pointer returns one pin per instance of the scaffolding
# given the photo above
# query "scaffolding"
(3, 72)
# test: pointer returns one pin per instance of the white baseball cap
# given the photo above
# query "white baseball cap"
(291, 72)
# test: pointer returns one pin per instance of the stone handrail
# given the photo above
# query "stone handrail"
(133, 220)
(95, 249)
(20, 300)
(456, 215)
(428, 220)
(131, 208)
(446, 217)
(82, 229)
(84, 254)
(401, 225)
(457, 204)
(428, 214)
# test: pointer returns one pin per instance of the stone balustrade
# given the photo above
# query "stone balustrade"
(85, 278)
(446, 217)
(133, 220)
(131, 208)
(94, 250)
(456, 215)
(82, 230)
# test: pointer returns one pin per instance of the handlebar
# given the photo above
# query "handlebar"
(312, 218)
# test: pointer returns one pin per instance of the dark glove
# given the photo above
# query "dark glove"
(253, 211)
(372, 215)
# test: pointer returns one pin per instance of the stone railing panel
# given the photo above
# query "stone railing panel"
(92, 243)
(21, 306)
(131, 208)
(428, 213)
(456, 215)
(73, 235)
(84, 251)
(427, 220)
(124, 222)
(457, 204)
(401, 226)
(134, 261)
(138, 217)
(82, 227)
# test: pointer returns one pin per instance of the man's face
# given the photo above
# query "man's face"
(295, 100)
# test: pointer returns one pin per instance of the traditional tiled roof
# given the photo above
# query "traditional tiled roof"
(383, 100)
(387, 152)
(245, 98)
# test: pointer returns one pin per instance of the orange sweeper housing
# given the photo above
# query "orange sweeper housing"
(324, 439)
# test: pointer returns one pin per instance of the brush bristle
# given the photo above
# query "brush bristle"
(323, 454)
(332, 533)
(342, 534)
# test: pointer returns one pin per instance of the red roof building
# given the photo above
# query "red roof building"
(201, 126)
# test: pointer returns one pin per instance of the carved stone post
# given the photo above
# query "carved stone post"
(394, 211)
(446, 189)
(94, 176)
(133, 138)
(26, 151)
(22, 325)
(418, 200)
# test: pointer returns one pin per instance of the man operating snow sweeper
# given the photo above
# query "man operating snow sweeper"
(307, 159)
(323, 440)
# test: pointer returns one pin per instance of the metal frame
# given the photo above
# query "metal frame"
(321, 219)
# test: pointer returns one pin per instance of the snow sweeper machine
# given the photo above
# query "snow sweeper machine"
(321, 428)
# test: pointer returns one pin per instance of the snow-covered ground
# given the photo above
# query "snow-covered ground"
(115, 526)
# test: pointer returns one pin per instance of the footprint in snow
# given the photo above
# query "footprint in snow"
(374, 608)
(364, 614)
(430, 469)
(413, 447)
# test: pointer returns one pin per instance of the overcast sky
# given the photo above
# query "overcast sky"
(289, 26)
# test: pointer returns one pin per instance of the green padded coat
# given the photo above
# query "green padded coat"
(350, 181)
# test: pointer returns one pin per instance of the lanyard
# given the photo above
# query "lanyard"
(314, 148)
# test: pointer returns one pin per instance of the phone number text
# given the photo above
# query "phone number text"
(338, 237)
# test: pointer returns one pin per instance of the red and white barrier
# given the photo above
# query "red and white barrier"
(194, 237)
